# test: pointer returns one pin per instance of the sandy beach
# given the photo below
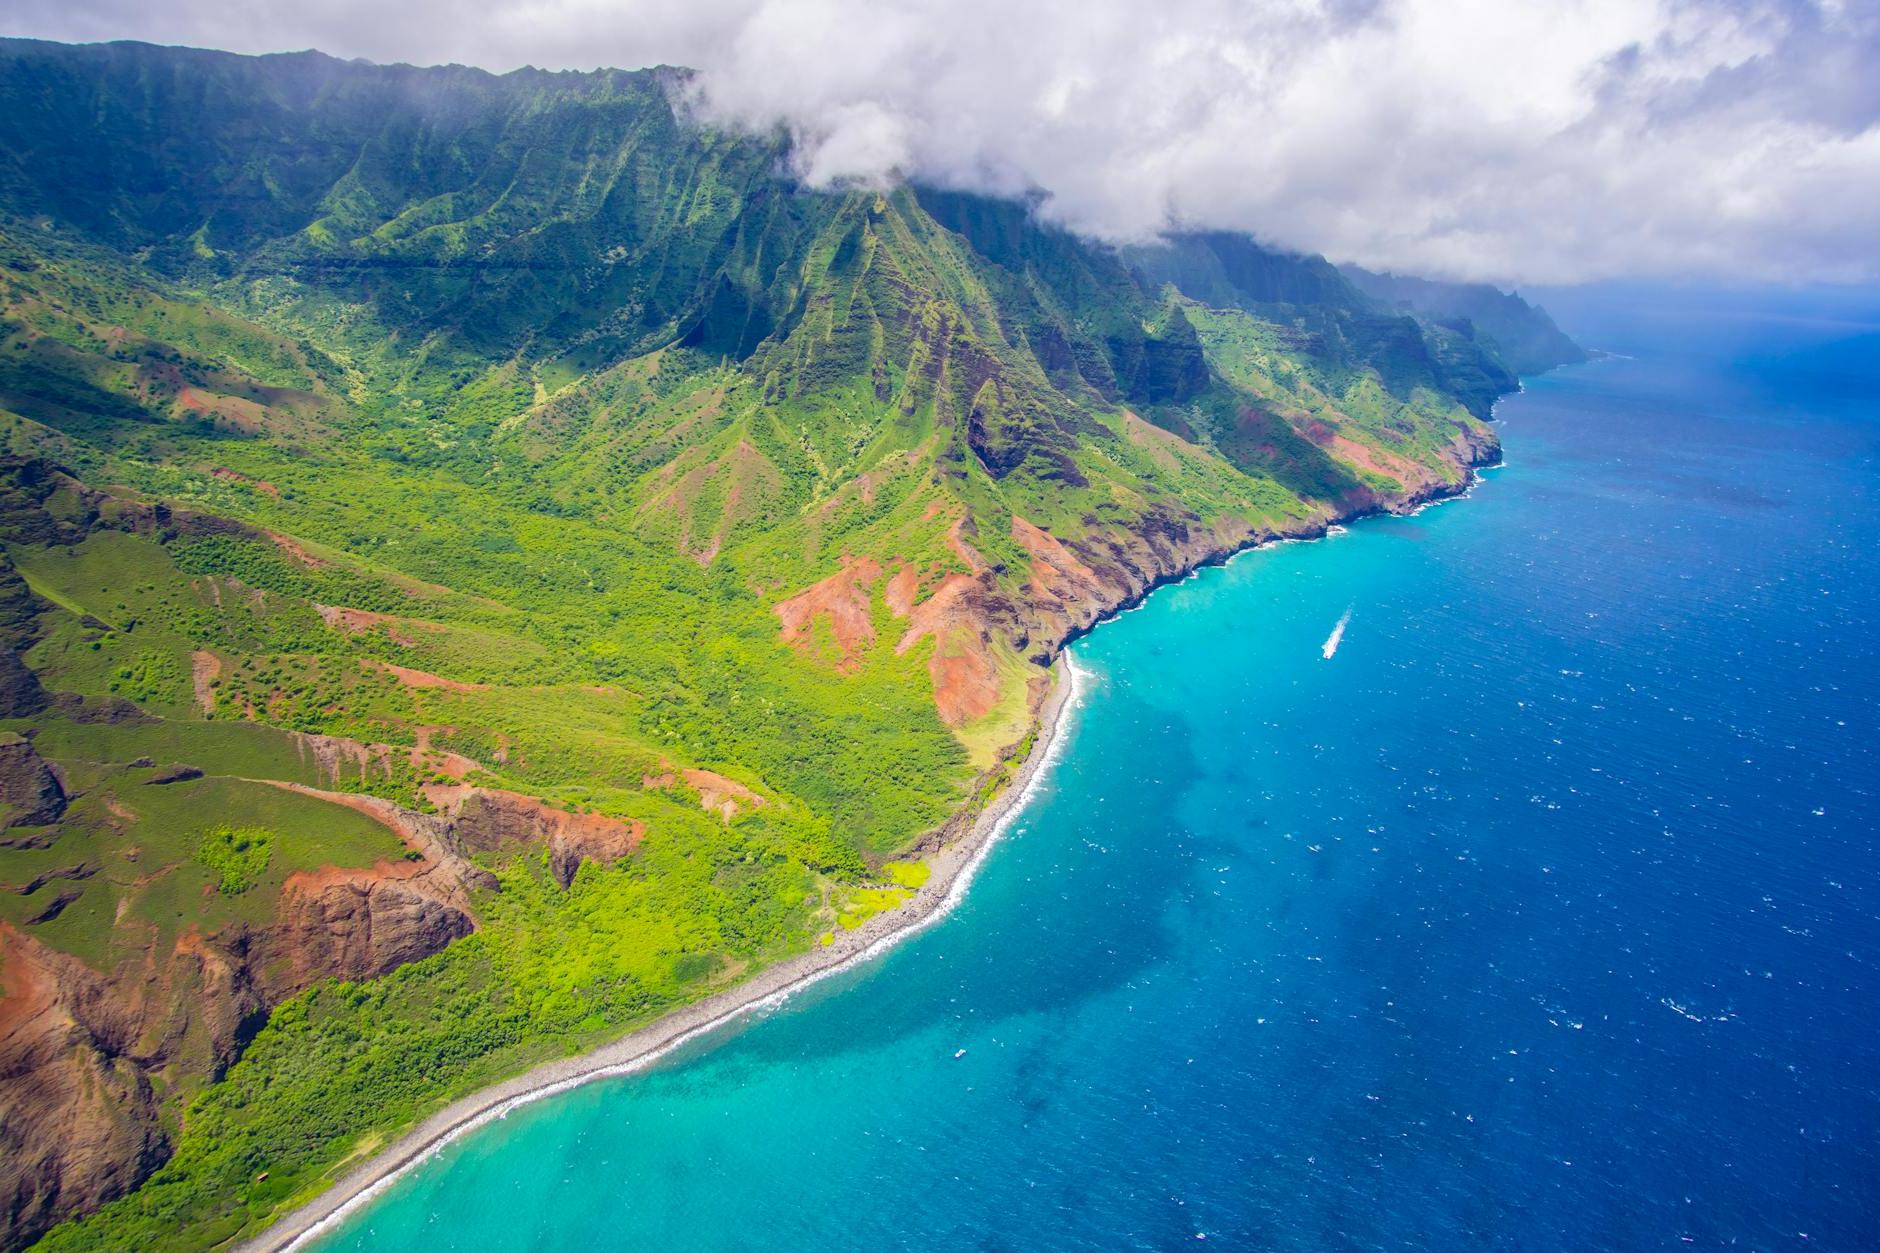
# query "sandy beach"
(952, 870)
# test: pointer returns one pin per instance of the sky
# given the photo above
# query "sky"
(1515, 141)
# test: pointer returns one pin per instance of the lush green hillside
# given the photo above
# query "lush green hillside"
(487, 561)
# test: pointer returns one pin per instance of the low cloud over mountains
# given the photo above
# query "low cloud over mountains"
(1458, 138)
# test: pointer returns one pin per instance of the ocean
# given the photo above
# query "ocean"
(1543, 914)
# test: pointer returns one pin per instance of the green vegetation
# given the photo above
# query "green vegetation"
(908, 874)
(381, 444)
(238, 854)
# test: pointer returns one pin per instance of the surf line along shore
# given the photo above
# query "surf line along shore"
(952, 868)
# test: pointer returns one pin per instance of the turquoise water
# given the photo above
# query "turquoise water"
(1543, 915)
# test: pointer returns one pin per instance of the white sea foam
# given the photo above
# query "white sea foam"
(1079, 680)
(1338, 634)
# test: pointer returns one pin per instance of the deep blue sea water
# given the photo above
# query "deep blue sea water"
(1545, 915)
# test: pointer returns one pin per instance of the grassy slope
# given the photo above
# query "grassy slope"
(569, 397)
(599, 661)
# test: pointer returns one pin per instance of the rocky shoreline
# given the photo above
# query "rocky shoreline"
(952, 869)
(1481, 454)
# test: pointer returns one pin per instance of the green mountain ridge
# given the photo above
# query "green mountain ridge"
(569, 563)
(1524, 337)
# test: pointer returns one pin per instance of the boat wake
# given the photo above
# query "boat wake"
(1338, 633)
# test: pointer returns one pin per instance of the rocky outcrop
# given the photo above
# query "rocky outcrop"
(357, 924)
(487, 820)
(78, 1054)
(84, 1052)
(30, 793)
(181, 772)
(21, 696)
(19, 607)
(78, 1121)
(79, 1049)
(43, 502)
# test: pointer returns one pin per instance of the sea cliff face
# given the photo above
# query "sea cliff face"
(556, 558)
(1076, 585)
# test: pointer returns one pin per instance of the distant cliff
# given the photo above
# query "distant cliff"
(1522, 335)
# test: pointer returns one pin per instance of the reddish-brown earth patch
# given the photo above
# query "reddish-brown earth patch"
(719, 795)
(965, 683)
(236, 476)
(489, 819)
(1408, 474)
(943, 608)
(295, 549)
(965, 680)
(1056, 572)
(902, 590)
(843, 598)
(78, 1123)
(424, 680)
(244, 415)
(361, 621)
(204, 668)
(426, 757)
(716, 794)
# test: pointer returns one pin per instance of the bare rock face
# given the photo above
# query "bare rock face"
(21, 696)
(19, 608)
(78, 1111)
(30, 793)
(484, 820)
(356, 924)
(78, 1124)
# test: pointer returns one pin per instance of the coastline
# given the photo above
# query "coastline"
(1406, 506)
(953, 867)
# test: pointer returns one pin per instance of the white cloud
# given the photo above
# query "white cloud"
(1551, 142)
